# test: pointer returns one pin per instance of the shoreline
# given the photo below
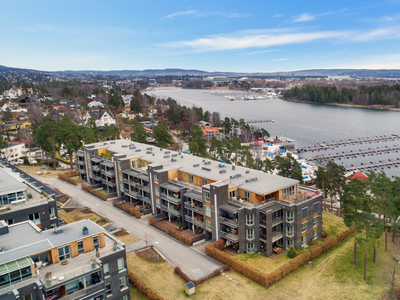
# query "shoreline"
(374, 107)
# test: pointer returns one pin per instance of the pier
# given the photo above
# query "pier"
(325, 145)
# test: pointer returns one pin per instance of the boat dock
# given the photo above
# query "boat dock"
(360, 140)
(375, 166)
(354, 153)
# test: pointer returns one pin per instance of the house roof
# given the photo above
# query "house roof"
(359, 175)
(98, 114)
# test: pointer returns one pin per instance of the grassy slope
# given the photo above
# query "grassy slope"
(332, 276)
(332, 225)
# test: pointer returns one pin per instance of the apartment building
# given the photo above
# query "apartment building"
(21, 200)
(250, 210)
(76, 261)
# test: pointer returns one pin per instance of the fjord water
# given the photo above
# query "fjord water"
(306, 123)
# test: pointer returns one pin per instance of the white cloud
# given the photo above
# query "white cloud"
(264, 38)
(261, 51)
(279, 59)
(198, 14)
(216, 43)
(304, 18)
(182, 13)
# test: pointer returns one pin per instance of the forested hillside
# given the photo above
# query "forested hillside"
(363, 95)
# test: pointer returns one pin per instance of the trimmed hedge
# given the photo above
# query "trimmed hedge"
(89, 188)
(68, 177)
(214, 250)
(143, 287)
(186, 278)
(128, 208)
(172, 231)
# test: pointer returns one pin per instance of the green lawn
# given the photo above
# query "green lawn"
(331, 276)
(332, 225)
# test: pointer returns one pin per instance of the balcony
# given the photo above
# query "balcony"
(263, 237)
(82, 171)
(109, 183)
(109, 173)
(194, 221)
(277, 221)
(276, 235)
(230, 222)
(97, 178)
(196, 208)
(80, 162)
(96, 168)
(263, 223)
(174, 199)
(142, 198)
(125, 180)
(230, 236)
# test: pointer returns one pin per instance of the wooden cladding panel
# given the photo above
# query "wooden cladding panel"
(102, 240)
(74, 249)
(88, 244)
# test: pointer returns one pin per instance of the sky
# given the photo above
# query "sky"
(230, 36)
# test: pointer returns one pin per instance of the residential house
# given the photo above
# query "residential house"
(102, 117)
(13, 152)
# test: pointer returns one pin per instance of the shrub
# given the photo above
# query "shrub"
(324, 235)
(292, 253)
(143, 287)
(186, 278)
(128, 208)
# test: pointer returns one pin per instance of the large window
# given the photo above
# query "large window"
(233, 195)
(35, 218)
(190, 178)
(207, 196)
(207, 210)
(121, 265)
(64, 253)
(249, 220)
(52, 212)
(315, 221)
(28, 296)
(246, 196)
(106, 269)
(208, 224)
(289, 231)
(96, 242)
(157, 191)
(250, 234)
(304, 213)
(80, 247)
(316, 207)
(315, 234)
(304, 240)
(289, 216)
(250, 247)
(156, 178)
(304, 227)
(289, 191)
(289, 243)
(108, 289)
(122, 283)
(204, 181)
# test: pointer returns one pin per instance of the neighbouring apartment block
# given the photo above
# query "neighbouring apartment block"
(21, 200)
(250, 210)
(76, 261)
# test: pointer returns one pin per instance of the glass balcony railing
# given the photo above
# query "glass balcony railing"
(231, 222)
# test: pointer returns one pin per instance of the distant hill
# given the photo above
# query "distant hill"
(357, 73)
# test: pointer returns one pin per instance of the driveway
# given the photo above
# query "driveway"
(192, 262)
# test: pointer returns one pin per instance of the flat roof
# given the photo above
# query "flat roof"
(10, 183)
(26, 239)
(205, 168)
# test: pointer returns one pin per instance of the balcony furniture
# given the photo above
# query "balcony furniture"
(277, 249)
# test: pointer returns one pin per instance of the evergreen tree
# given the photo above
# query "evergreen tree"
(139, 134)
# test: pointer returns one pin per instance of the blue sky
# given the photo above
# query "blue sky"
(237, 36)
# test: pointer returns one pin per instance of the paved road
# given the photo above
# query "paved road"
(193, 263)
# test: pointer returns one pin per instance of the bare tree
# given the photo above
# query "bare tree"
(216, 119)
(36, 114)
(147, 238)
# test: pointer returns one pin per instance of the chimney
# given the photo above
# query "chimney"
(85, 230)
